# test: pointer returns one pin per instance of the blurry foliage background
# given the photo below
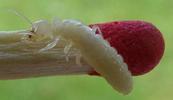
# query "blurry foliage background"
(156, 85)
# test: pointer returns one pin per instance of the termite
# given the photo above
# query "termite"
(64, 47)
(93, 48)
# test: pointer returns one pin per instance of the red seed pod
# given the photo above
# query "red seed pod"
(140, 43)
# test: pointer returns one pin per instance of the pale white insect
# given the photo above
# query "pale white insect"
(93, 48)
(49, 37)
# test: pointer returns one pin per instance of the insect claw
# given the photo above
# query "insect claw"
(78, 59)
(67, 57)
(96, 29)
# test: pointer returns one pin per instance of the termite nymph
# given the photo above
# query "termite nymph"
(69, 47)
(93, 48)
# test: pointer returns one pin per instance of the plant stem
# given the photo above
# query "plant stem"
(21, 59)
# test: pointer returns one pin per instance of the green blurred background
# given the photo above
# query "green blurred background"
(156, 85)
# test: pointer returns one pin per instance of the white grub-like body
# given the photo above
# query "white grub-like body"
(30, 57)
(97, 52)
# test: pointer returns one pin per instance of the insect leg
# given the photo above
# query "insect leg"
(50, 45)
(67, 49)
(78, 59)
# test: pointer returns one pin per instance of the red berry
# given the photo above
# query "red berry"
(140, 43)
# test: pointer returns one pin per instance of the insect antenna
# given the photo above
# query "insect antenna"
(21, 16)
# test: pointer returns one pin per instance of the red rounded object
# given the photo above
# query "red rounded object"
(140, 43)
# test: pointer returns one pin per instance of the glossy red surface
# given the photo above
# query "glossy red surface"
(140, 43)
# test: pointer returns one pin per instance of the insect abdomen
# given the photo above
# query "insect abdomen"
(99, 54)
